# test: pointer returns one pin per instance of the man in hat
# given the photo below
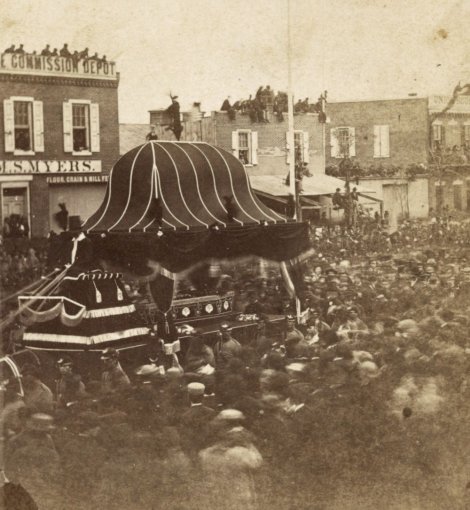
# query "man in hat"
(113, 377)
(153, 134)
(226, 347)
(37, 396)
(70, 387)
(195, 421)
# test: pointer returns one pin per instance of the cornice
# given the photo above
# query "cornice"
(55, 80)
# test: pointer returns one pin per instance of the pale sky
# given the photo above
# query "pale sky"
(206, 50)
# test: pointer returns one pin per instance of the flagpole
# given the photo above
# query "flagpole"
(290, 113)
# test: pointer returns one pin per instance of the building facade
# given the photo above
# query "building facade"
(382, 133)
(59, 136)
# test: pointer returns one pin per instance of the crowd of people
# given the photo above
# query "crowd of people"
(63, 52)
(20, 267)
(266, 100)
(358, 400)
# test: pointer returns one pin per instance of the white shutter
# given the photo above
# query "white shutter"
(287, 147)
(67, 124)
(377, 151)
(254, 147)
(306, 145)
(334, 143)
(385, 141)
(95, 127)
(9, 124)
(352, 141)
(38, 126)
(235, 143)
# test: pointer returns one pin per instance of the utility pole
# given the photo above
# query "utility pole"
(290, 116)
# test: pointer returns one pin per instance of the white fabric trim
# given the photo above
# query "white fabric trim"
(85, 340)
(215, 184)
(233, 189)
(197, 185)
(107, 202)
(159, 184)
(179, 187)
(130, 191)
(107, 312)
(251, 194)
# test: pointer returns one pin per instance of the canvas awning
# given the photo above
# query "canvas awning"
(317, 185)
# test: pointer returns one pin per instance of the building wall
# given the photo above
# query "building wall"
(408, 130)
(272, 154)
(53, 92)
(455, 193)
(401, 197)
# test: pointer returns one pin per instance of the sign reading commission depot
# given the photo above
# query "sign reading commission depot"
(25, 63)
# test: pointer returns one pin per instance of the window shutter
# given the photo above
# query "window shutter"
(443, 136)
(376, 141)
(287, 147)
(352, 142)
(385, 141)
(38, 120)
(67, 124)
(254, 147)
(95, 127)
(334, 144)
(8, 120)
(306, 147)
(235, 143)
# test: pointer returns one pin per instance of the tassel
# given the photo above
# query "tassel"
(120, 295)
(99, 297)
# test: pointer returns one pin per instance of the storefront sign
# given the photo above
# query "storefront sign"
(25, 63)
(49, 167)
(76, 179)
(438, 103)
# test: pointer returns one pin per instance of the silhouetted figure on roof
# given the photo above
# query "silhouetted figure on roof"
(20, 49)
(46, 52)
(174, 112)
(84, 53)
(64, 52)
(11, 49)
(227, 107)
(55, 53)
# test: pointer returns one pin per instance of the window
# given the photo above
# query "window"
(301, 144)
(457, 197)
(468, 195)
(381, 141)
(245, 146)
(23, 122)
(81, 127)
(343, 142)
(466, 134)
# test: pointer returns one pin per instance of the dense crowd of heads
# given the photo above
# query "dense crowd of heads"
(368, 382)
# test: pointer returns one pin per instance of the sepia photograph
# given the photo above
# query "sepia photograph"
(234, 255)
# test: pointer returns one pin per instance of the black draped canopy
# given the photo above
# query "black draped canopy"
(178, 203)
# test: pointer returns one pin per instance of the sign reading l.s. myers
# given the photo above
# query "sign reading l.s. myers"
(25, 63)
(49, 167)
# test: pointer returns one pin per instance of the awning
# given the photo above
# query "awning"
(318, 184)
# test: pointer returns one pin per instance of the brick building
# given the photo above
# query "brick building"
(379, 133)
(59, 136)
